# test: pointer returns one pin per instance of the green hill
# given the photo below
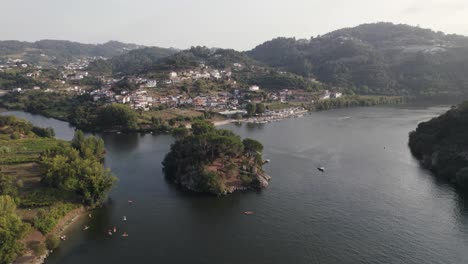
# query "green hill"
(381, 58)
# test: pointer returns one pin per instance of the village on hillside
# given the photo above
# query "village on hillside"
(169, 90)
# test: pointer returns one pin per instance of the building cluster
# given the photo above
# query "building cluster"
(138, 99)
(81, 64)
(277, 115)
(202, 72)
(136, 93)
(330, 95)
(11, 63)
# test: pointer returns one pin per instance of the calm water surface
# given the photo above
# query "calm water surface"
(373, 204)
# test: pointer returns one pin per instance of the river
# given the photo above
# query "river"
(373, 203)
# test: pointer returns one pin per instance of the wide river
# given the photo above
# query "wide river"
(373, 203)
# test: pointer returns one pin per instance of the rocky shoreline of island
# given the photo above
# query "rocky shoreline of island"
(216, 161)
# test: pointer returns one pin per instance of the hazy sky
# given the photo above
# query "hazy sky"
(239, 24)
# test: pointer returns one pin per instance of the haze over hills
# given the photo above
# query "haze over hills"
(61, 51)
(380, 58)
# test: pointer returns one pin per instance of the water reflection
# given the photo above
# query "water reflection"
(254, 126)
(121, 142)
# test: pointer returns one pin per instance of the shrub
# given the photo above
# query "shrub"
(44, 132)
(246, 179)
(52, 242)
(5, 150)
(46, 220)
(20, 184)
(15, 136)
(38, 248)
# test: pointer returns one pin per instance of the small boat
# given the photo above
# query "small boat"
(115, 229)
(63, 238)
(85, 228)
(130, 201)
(118, 132)
(125, 234)
(248, 213)
(109, 232)
(322, 169)
(266, 161)
(124, 218)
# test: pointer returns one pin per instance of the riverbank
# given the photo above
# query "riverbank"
(36, 237)
(32, 186)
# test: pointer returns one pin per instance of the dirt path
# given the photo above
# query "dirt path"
(37, 237)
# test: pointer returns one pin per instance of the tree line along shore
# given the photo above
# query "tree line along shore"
(103, 117)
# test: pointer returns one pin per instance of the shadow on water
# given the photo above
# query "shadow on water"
(461, 197)
(101, 220)
(254, 126)
(121, 142)
(462, 206)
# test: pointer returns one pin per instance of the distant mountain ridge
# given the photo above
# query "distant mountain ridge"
(380, 58)
(60, 51)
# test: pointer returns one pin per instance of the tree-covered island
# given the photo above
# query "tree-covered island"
(216, 161)
(441, 145)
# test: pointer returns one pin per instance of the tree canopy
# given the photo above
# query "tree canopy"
(442, 143)
(192, 158)
(78, 168)
(12, 229)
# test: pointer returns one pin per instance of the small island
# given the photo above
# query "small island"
(209, 160)
(441, 145)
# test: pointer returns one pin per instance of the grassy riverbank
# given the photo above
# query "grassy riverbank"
(38, 192)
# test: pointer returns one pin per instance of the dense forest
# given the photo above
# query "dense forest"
(134, 62)
(380, 58)
(442, 145)
(210, 160)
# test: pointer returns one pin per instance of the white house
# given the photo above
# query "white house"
(325, 95)
(336, 95)
(173, 75)
(254, 88)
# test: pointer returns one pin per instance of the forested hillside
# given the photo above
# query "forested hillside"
(442, 145)
(380, 58)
